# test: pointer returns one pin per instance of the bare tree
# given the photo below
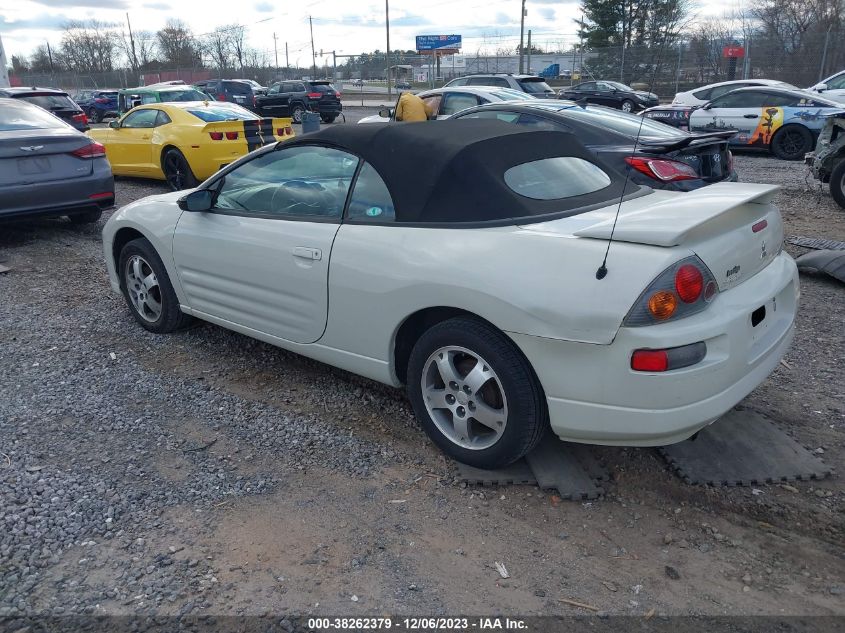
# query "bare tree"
(39, 61)
(145, 45)
(177, 45)
(238, 46)
(218, 46)
(88, 46)
(20, 65)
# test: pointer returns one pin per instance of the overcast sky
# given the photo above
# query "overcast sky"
(346, 27)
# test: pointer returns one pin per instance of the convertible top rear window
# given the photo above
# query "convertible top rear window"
(556, 178)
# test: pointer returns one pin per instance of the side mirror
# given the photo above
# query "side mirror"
(820, 87)
(199, 200)
(384, 113)
(707, 106)
(114, 124)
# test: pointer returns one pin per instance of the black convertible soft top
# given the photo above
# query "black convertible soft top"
(453, 171)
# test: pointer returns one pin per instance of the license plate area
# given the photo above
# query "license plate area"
(33, 166)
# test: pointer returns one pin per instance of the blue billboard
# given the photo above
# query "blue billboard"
(437, 42)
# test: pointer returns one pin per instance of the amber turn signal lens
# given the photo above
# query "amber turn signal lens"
(662, 305)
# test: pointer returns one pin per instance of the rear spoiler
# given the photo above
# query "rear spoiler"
(700, 138)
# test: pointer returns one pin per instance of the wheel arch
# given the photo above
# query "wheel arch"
(121, 238)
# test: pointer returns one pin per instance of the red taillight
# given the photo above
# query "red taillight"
(315, 95)
(216, 136)
(221, 97)
(689, 283)
(231, 136)
(337, 94)
(93, 150)
(661, 169)
(650, 360)
(80, 118)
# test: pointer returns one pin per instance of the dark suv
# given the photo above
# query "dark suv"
(56, 101)
(231, 90)
(97, 104)
(292, 98)
(531, 84)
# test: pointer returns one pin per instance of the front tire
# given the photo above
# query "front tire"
(628, 106)
(147, 288)
(177, 171)
(837, 183)
(296, 113)
(475, 394)
(791, 142)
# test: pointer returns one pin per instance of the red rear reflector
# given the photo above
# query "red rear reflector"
(105, 194)
(650, 360)
(93, 150)
(216, 136)
(759, 226)
(231, 136)
(689, 283)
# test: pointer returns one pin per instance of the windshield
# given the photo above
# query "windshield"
(508, 94)
(19, 116)
(630, 125)
(222, 113)
(322, 88)
(535, 86)
(183, 95)
(50, 102)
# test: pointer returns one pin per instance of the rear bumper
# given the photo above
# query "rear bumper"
(594, 397)
(60, 197)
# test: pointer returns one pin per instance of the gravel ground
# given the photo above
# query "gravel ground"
(208, 473)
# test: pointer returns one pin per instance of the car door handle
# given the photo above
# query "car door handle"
(306, 252)
(750, 116)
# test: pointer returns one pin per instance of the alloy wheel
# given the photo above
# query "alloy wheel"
(143, 288)
(791, 142)
(626, 106)
(464, 397)
(175, 168)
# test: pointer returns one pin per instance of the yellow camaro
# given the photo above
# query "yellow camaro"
(185, 143)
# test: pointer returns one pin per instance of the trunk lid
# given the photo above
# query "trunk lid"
(706, 153)
(42, 156)
(733, 227)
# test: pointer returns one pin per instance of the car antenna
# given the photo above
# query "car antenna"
(601, 273)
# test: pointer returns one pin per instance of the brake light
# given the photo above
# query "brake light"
(337, 94)
(314, 95)
(221, 96)
(656, 360)
(685, 288)
(662, 169)
(689, 283)
(216, 136)
(80, 118)
(92, 150)
(231, 136)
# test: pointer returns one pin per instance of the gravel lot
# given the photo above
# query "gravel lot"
(208, 473)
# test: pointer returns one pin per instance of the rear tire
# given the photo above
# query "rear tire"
(177, 171)
(89, 217)
(462, 368)
(96, 116)
(628, 106)
(791, 142)
(837, 183)
(328, 118)
(296, 113)
(147, 289)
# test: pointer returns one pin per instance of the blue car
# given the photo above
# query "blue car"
(783, 121)
(97, 104)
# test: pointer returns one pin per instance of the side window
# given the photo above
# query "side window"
(588, 85)
(308, 182)
(602, 87)
(479, 81)
(140, 119)
(704, 95)
(148, 98)
(275, 89)
(162, 118)
(499, 82)
(299, 87)
(457, 101)
(781, 100)
(837, 83)
(745, 99)
(459, 82)
(718, 91)
(371, 201)
(500, 115)
(535, 122)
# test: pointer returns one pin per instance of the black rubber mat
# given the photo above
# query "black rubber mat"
(816, 243)
(568, 468)
(743, 448)
(828, 262)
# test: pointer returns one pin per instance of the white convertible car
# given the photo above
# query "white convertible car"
(464, 260)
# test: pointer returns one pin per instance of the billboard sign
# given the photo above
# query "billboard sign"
(733, 51)
(438, 42)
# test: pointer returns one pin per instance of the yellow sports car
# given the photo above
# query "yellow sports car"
(185, 143)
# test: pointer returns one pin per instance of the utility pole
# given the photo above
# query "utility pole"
(4, 73)
(824, 53)
(334, 65)
(521, 35)
(287, 62)
(622, 64)
(276, 49)
(528, 61)
(50, 57)
(132, 44)
(387, 54)
(313, 53)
